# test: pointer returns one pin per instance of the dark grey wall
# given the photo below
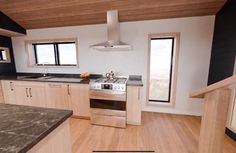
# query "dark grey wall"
(224, 44)
(8, 24)
(7, 69)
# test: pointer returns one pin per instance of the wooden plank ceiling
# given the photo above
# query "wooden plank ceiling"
(32, 14)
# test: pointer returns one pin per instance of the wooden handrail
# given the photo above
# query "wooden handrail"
(226, 83)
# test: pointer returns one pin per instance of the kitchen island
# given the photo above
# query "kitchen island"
(34, 130)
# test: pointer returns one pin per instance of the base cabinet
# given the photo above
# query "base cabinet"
(57, 95)
(79, 99)
(56, 142)
(133, 105)
(1, 94)
(231, 121)
(30, 93)
(8, 91)
(68, 96)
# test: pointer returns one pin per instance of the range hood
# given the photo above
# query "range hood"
(113, 35)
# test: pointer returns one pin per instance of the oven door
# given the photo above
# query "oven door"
(108, 104)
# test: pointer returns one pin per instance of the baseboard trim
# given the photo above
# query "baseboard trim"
(172, 112)
(134, 123)
(231, 134)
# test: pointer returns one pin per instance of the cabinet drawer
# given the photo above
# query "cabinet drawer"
(108, 112)
(115, 121)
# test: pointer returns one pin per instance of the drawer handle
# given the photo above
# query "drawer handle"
(68, 89)
(30, 92)
(26, 91)
(11, 86)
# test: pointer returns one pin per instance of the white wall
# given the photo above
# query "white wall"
(194, 56)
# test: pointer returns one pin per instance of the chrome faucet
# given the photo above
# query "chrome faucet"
(45, 70)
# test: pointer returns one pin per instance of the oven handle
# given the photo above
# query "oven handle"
(111, 92)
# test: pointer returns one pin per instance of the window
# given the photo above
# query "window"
(5, 55)
(162, 68)
(55, 54)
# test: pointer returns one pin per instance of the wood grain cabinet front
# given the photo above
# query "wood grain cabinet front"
(133, 105)
(57, 95)
(68, 96)
(79, 99)
(8, 90)
(30, 93)
(1, 94)
(231, 120)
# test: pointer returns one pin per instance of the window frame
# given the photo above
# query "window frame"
(8, 57)
(32, 59)
(174, 67)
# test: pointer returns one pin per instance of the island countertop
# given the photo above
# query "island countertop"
(22, 127)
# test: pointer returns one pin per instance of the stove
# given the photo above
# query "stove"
(115, 84)
(108, 101)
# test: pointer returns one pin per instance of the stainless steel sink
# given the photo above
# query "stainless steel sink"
(36, 77)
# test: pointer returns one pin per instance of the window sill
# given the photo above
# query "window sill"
(50, 66)
(160, 104)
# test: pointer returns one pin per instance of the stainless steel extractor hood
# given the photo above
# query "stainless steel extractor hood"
(113, 35)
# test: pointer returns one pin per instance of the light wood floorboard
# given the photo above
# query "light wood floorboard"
(162, 133)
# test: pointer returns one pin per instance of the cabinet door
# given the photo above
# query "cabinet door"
(133, 105)
(233, 123)
(1, 94)
(57, 95)
(79, 99)
(8, 91)
(22, 95)
(37, 95)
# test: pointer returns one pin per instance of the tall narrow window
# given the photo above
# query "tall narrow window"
(161, 62)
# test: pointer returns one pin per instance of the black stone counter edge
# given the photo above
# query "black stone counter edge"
(135, 84)
(46, 133)
(14, 78)
(84, 81)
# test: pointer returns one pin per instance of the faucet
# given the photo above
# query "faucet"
(45, 70)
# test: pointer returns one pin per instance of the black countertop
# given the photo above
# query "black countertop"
(61, 79)
(22, 127)
(66, 78)
(134, 83)
(135, 80)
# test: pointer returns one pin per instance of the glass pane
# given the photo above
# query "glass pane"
(160, 69)
(45, 54)
(67, 54)
(3, 56)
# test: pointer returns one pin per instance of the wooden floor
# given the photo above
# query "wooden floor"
(162, 133)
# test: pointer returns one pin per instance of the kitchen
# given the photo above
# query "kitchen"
(65, 87)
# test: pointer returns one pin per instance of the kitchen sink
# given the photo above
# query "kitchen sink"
(36, 77)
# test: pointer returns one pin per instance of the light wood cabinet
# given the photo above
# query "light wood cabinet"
(49, 94)
(8, 91)
(1, 94)
(58, 141)
(30, 93)
(133, 105)
(79, 99)
(231, 120)
(57, 95)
